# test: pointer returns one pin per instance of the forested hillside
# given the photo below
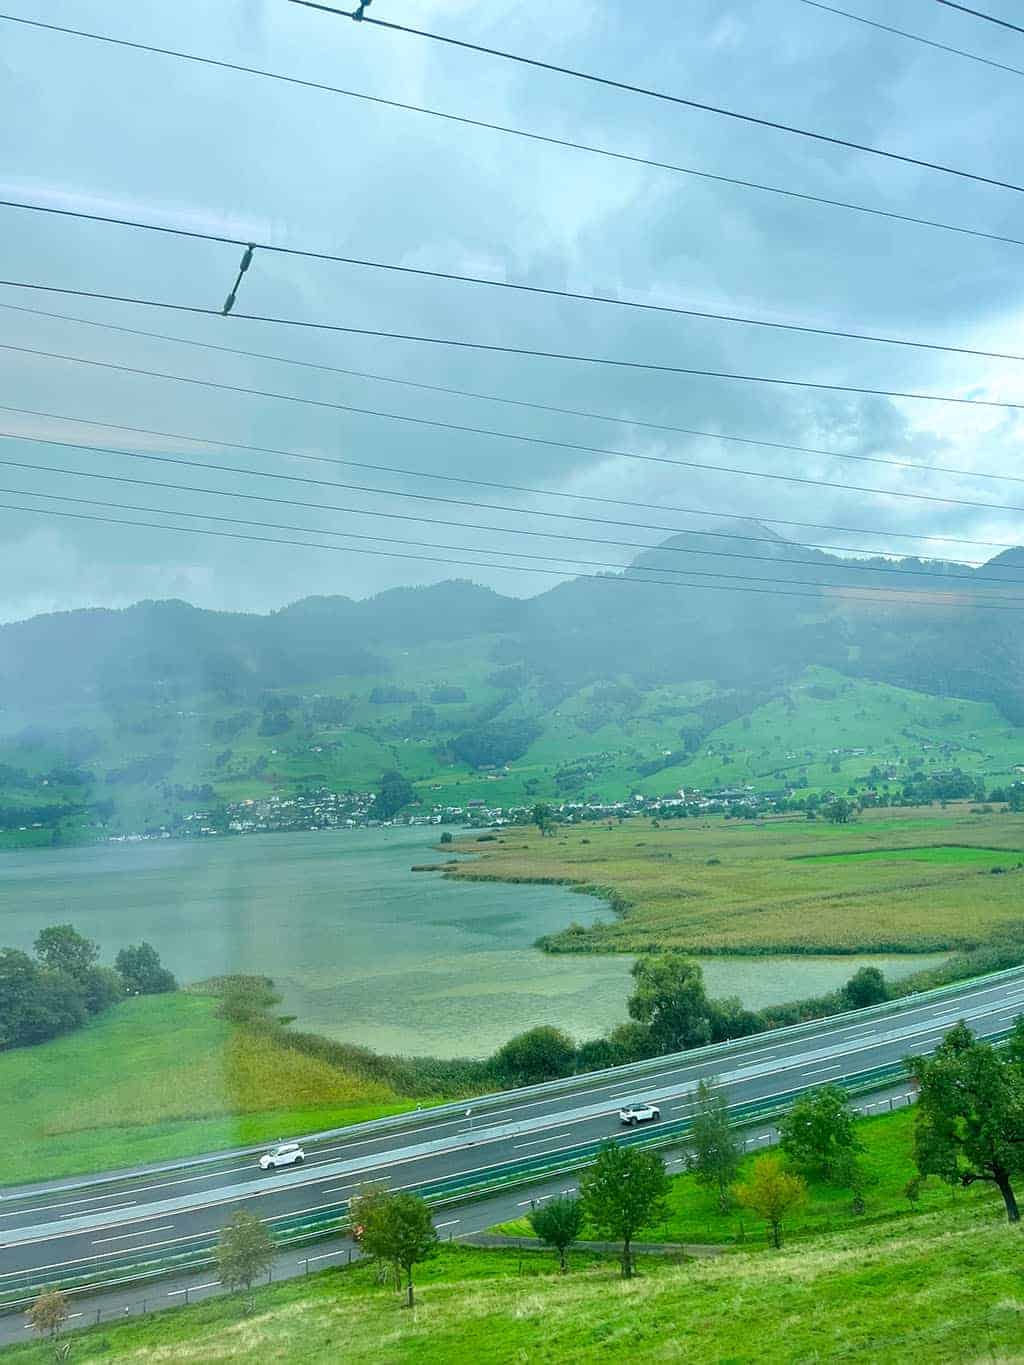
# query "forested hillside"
(645, 681)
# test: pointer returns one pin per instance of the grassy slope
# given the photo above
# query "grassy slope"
(940, 1289)
(160, 1077)
(804, 739)
(732, 885)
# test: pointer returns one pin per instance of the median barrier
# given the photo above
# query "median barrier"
(566, 1085)
(19, 1288)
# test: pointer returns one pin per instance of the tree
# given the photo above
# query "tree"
(446, 837)
(866, 987)
(48, 1315)
(244, 1250)
(36, 1003)
(143, 972)
(540, 1054)
(558, 1224)
(840, 811)
(543, 817)
(623, 1192)
(969, 1119)
(63, 949)
(394, 793)
(819, 1131)
(670, 999)
(101, 987)
(772, 1192)
(397, 1228)
(716, 1155)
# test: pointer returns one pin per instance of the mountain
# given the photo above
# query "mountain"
(597, 685)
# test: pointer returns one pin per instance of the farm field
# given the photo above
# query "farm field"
(159, 1077)
(913, 880)
(942, 1288)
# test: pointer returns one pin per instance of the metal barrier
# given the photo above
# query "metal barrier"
(567, 1085)
(299, 1229)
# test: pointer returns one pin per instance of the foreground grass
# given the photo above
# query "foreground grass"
(941, 1288)
(695, 1217)
(160, 1077)
(762, 886)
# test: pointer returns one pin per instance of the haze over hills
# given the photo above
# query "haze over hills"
(602, 685)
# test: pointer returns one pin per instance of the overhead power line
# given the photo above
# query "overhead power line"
(472, 503)
(873, 596)
(518, 402)
(663, 95)
(513, 286)
(980, 14)
(497, 434)
(718, 514)
(527, 134)
(526, 351)
(915, 37)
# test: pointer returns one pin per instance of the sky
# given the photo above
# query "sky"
(117, 131)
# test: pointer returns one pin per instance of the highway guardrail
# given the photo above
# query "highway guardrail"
(19, 1288)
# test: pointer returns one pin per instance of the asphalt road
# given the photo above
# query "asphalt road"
(55, 1232)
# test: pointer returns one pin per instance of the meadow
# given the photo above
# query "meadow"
(944, 1287)
(158, 1077)
(894, 880)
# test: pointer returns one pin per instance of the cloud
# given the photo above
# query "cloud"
(142, 136)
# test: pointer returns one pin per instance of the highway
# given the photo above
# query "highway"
(87, 1227)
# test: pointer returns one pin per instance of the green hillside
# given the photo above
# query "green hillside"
(146, 763)
(134, 720)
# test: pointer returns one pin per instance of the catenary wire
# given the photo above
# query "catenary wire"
(880, 596)
(514, 436)
(914, 37)
(506, 129)
(514, 402)
(533, 290)
(473, 504)
(524, 133)
(536, 492)
(529, 351)
(628, 87)
(980, 14)
(941, 589)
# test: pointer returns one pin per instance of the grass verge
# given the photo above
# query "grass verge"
(695, 1216)
(942, 1288)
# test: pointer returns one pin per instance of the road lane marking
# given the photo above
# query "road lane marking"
(193, 1288)
(450, 1224)
(142, 1232)
(873, 1045)
(748, 1053)
(127, 1204)
(537, 1142)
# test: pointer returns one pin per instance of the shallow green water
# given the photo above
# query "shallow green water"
(363, 948)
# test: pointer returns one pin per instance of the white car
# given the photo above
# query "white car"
(285, 1154)
(644, 1112)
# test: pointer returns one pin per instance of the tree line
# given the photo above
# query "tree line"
(63, 985)
(669, 1011)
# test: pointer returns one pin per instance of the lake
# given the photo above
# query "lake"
(362, 948)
